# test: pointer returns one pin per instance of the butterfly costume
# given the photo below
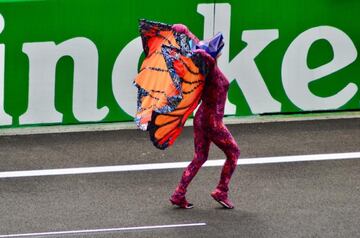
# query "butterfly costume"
(178, 73)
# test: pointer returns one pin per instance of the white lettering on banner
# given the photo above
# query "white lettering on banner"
(43, 57)
(5, 119)
(296, 74)
(242, 68)
(123, 74)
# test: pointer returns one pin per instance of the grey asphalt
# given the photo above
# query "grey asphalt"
(302, 199)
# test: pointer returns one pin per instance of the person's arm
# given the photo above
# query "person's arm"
(208, 58)
(183, 29)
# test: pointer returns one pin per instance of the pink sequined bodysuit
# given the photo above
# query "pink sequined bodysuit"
(209, 127)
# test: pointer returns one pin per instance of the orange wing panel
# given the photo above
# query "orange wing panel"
(154, 78)
(169, 83)
(166, 128)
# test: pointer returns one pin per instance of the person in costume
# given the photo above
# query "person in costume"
(178, 72)
(209, 127)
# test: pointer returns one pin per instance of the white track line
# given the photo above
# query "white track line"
(176, 165)
(76, 232)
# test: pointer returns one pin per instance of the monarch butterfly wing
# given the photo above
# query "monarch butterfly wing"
(158, 87)
(165, 128)
(154, 34)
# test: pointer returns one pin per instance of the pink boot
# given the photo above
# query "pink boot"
(222, 198)
(178, 199)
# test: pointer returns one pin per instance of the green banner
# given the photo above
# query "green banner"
(73, 61)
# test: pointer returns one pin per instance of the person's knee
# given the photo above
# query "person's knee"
(200, 158)
(233, 153)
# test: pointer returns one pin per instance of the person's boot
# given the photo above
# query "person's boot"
(178, 199)
(222, 198)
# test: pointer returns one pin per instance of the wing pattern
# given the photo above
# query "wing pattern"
(170, 82)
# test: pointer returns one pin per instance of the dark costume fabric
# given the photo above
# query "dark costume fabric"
(209, 127)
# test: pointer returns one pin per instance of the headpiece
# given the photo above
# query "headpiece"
(212, 46)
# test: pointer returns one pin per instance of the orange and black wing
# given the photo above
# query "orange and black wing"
(159, 88)
(170, 82)
(164, 128)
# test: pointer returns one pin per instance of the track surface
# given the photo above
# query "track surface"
(302, 199)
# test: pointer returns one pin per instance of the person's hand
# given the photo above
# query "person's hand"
(180, 28)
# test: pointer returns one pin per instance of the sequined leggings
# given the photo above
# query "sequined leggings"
(209, 129)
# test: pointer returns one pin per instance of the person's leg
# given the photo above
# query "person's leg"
(222, 137)
(202, 146)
